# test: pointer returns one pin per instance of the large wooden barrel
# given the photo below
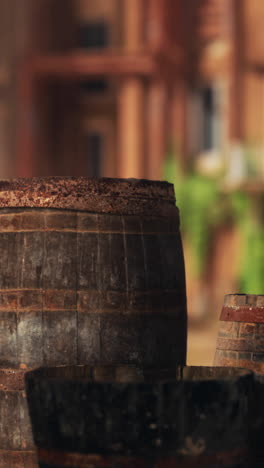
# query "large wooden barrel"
(91, 271)
(241, 334)
(199, 418)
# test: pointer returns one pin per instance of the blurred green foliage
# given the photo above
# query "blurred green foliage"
(205, 207)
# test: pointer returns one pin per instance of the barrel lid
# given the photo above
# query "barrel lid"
(105, 195)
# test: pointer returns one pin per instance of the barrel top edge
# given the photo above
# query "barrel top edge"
(104, 195)
(135, 375)
(105, 184)
(245, 300)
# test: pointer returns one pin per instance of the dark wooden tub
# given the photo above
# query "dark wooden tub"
(197, 419)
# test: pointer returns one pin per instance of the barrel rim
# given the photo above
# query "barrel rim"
(106, 195)
(137, 375)
(245, 300)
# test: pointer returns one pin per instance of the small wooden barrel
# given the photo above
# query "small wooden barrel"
(241, 335)
(199, 418)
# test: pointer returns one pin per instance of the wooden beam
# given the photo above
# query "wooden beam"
(131, 128)
(26, 130)
(157, 117)
(237, 111)
(131, 95)
(252, 18)
(133, 25)
(156, 30)
(179, 124)
(74, 66)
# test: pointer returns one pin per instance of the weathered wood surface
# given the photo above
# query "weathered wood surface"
(112, 196)
(241, 334)
(71, 283)
(91, 271)
(199, 418)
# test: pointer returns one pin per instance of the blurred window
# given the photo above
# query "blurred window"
(94, 35)
(205, 118)
(98, 86)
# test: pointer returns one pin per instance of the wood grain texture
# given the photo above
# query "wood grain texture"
(107, 281)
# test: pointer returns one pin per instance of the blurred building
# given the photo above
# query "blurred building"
(111, 87)
(104, 87)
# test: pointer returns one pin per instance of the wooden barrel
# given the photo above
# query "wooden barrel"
(199, 418)
(241, 334)
(91, 271)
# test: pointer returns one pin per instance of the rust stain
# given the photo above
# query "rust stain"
(21, 458)
(122, 196)
(243, 314)
(12, 380)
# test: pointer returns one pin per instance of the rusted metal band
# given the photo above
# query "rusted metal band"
(122, 196)
(12, 380)
(243, 314)
(147, 302)
(17, 458)
(27, 220)
(64, 459)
